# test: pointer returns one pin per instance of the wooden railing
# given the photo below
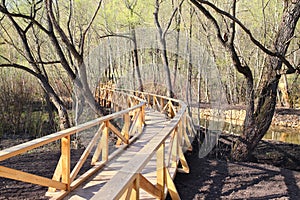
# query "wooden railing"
(129, 180)
(64, 179)
(130, 105)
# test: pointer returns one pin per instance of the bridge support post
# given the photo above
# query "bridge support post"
(66, 160)
(105, 142)
(136, 189)
(160, 156)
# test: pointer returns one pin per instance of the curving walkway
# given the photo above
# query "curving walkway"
(155, 122)
(153, 135)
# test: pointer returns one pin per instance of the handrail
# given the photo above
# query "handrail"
(127, 182)
(64, 179)
(27, 146)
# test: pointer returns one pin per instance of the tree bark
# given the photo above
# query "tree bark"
(257, 123)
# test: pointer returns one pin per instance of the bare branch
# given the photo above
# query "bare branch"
(60, 30)
(245, 70)
(22, 67)
(171, 19)
(69, 22)
(19, 15)
(232, 24)
(156, 18)
(212, 19)
(116, 35)
(88, 27)
(248, 32)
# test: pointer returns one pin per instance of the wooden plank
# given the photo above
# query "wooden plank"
(141, 159)
(30, 178)
(115, 189)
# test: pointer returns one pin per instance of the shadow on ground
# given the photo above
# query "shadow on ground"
(212, 178)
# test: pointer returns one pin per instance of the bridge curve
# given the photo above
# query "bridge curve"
(153, 137)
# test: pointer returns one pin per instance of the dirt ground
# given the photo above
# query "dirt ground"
(213, 177)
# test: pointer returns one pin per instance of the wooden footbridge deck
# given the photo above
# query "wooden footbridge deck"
(154, 133)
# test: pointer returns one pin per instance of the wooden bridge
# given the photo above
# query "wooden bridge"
(152, 135)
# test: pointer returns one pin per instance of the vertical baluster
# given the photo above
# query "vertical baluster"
(160, 169)
(105, 147)
(66, 160)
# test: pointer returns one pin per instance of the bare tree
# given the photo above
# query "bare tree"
(41, 25)
(162, 39)
(258, 117)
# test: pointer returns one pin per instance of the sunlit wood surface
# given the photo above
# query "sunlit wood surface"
(155, 122)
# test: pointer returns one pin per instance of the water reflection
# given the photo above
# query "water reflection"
(278, 133)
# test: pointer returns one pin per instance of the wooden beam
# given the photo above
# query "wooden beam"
(66, 160)
(105, 145)
(117, 186)
(160, 166)
(125, 129)
(127, 193)
(22, 148)
(175, 148)
(30, 178)
(171, 186)
(135, 194)
(57, 174)
(98, 150)
(185, 166)
(149, 187)
(117, 132)
(134, 125)
(86, 153)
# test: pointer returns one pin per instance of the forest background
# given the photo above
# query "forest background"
(43, 45)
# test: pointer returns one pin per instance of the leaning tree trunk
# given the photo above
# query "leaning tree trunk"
(257, 123)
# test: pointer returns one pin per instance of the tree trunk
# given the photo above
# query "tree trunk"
(64, 121)
(257, 123)
(136, 62)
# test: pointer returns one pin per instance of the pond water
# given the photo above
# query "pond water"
(278, 133)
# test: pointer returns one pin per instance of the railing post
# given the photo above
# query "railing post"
(162, 105)
(174, 148)
(160, 169)
(136, 189)
(105, 142)
(66, 160)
